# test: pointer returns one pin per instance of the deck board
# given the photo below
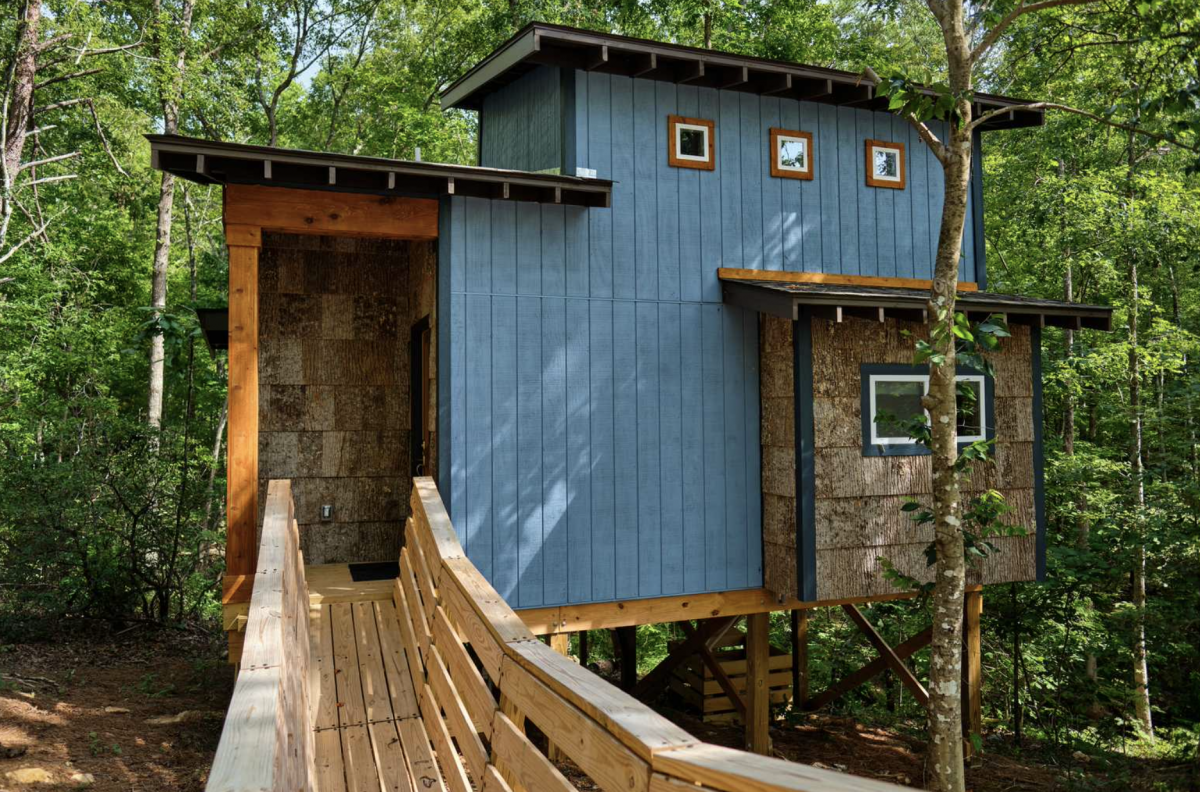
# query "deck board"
(370, 736)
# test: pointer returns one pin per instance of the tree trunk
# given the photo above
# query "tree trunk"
(945, 758)
(1141, 671)
(20, 108)
(169, 94)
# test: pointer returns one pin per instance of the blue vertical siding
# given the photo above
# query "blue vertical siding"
(602, 405)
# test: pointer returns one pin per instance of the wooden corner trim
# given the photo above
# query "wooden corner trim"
(783, 173)
(241, 235)
(891, 185)
(672, 154)
(777, 276)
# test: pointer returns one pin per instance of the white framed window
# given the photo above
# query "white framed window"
(791, 154)
(885, 164)
(690, 143)
(892, 398)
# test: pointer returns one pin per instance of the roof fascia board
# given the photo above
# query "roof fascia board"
(400, 168)
(525, 44)
(510, 54)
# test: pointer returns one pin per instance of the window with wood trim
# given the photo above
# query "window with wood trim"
(885, 164)
(791, 154)
(891, 399)
(690, 143)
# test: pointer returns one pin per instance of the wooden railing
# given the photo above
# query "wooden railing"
(475, 703)
(267, 742)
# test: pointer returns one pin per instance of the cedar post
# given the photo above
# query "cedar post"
(758, 692)
(241, 551)
(972, 669)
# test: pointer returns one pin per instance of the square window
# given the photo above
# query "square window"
(885, 164)
(892, 399)
(690, 143)
(791, 154)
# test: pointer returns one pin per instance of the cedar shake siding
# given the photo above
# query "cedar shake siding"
(335, 314)
(857, 518)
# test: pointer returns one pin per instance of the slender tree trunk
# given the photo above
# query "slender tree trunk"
(166, 204)
(218, 440)
(1141, 671)
(945, 758)
(21, 79)
(1017, 715)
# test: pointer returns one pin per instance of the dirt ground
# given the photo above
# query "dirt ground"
(843, 744)
(140, 711)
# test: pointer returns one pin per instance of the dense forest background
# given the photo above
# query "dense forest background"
(112, 409)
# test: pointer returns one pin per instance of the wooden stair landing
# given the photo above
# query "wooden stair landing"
(369, 732)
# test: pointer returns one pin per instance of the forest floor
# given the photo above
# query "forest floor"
(846, 745)
(142, 711)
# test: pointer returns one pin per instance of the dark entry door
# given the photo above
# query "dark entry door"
(418, 347)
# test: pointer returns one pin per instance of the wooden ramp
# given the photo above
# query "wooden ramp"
(342, 687)
(368, 728)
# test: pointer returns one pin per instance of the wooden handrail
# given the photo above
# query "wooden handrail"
(267, 741)
(443, 602)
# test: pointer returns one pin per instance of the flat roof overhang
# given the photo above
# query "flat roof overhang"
(542, 44)
(835, 301)
(214, 323)
(213, 162)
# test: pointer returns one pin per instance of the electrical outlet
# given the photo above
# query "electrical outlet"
(327, 511)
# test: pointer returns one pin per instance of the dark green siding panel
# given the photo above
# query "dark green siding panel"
(524, 123)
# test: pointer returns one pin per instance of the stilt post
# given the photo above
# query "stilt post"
(627, 639)
(758, 692)
(799, 658)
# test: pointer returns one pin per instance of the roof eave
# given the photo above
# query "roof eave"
(214, 162)
(765, 298)
(543, 44)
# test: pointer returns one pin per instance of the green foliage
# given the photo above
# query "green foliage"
(101, 519)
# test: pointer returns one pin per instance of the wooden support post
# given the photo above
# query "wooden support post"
(758, 691)
(583, 649)
(627, 639)
(241, 547)
(561, 643)
(799, 658)
(972, 670)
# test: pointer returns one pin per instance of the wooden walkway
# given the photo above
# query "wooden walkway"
(369, 732)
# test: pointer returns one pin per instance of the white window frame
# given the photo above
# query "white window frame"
(899, 164)
(779, 141)
(682, 125)
(980, 383)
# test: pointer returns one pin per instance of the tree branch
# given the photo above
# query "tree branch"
(31, 236)
(65, 77)
(1195, 148)
(923, 130)
(1022, 9)
(58, 105)
(49, 179)
(47, 161)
